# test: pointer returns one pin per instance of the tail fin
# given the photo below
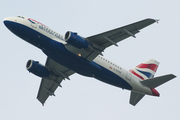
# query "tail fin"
(145, 70)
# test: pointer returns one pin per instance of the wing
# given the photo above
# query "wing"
(112, 37)
(101, 41)
(49, 85)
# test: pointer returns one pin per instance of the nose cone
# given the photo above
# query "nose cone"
(8, 22)
(11, 23)
(5, 22)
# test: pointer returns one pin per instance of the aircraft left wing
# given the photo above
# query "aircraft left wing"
(50, 84)
(101, 41)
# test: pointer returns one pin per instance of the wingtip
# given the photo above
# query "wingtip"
(156, 20)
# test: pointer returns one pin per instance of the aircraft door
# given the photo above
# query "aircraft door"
(34, 25)
(128, 76)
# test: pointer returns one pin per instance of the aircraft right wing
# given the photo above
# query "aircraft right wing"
(50, 84)
(114, 36)
(103, 40)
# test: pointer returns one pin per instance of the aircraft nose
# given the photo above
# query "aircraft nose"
(7, 22)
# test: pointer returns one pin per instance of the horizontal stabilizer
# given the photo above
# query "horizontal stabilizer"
(155, 82)
(135, 98)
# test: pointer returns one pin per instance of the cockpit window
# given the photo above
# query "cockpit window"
(21, 17)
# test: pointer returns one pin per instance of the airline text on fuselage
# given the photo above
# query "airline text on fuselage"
(46, 29)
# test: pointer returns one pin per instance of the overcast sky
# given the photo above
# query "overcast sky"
(84, 98)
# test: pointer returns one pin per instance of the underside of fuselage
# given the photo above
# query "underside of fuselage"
(57, 52)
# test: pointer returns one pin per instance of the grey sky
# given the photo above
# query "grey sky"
(84, 98)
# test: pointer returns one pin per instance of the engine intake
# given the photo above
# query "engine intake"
(76, 40)
(37, 69)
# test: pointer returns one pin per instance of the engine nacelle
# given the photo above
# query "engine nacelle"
(76, 40)
(37, 69)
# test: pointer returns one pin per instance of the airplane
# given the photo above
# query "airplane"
(73, 53)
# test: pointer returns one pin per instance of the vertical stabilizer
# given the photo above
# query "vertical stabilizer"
(145, 70)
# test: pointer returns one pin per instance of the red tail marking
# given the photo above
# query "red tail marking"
(153, 67)
(136, 74)
(155, 92)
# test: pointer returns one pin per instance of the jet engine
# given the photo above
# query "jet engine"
(76, 40)
(37, 69)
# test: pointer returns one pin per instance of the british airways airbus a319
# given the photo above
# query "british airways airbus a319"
(73, 53)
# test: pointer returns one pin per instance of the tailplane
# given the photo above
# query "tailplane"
(157, 81)
(146, 71)
(135, 98)
(150, 83)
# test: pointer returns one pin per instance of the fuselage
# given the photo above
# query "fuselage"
(54, 46)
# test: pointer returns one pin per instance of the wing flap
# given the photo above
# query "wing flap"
(123, 36)
(49, 85)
